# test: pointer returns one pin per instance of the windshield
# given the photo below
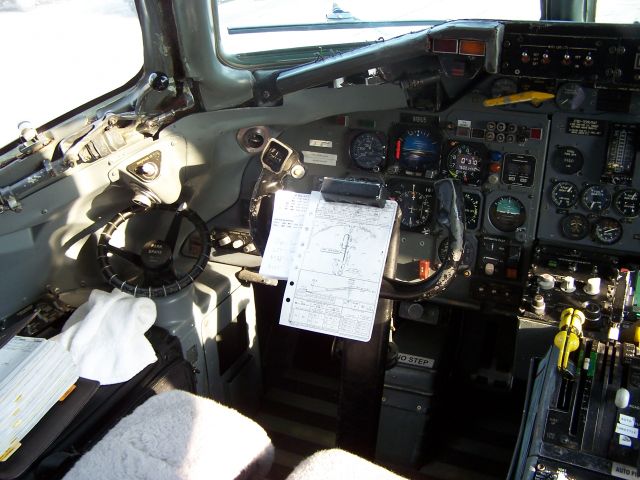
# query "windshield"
(266, 25)
(282, 24)
(60, 54)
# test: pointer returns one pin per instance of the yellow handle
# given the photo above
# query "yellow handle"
(567, 340)
(532, 96)
(567, 343)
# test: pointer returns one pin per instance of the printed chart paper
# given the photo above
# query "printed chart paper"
(335, 279)
(289, 209)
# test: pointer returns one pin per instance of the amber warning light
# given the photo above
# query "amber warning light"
(472, 47)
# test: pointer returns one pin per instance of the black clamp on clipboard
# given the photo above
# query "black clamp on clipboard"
(358, 191)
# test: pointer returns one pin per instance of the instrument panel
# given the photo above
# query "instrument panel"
(592, 197)
(560, 172)
(498, 159)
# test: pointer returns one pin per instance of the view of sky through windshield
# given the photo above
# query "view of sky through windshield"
(62, 54)
(234, 15)
(239, 17)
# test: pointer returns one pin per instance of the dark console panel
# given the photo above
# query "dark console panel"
(603, 54)
(585, 426)
(591, 195)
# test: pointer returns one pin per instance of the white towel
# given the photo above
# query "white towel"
(106, 336)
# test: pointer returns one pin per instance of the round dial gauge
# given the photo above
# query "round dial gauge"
(471, 209)
(418, 151)
(574, 226)
(368, 150)
(465, 162)
(607, 230)
(568, 160)
(416, 206)
(507, 213)
(570, 96)
(503, 87)
(564, 194)
(627, 202)
(596, 198)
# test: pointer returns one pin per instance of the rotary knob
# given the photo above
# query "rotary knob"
(568, 285)
(592, 287)
(147, 170)
(546, 281)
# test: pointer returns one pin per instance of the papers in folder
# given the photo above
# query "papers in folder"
(332, 256)
(34, 374)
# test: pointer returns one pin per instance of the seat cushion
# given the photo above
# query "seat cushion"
(178, 435)
(336, 464)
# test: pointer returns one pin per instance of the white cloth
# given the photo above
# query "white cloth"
(336, 464)
(179, 436)
(106, 336)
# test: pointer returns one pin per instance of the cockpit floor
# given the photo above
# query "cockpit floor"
(474, 440)
(475, 421)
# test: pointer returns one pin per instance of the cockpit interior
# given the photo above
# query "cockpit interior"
(504, 342)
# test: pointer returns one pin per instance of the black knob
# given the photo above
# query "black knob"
(592, 313)
(255, 140)
(159, 81)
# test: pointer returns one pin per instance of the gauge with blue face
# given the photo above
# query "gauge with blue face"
(368, 150)
(417, 151)
(507, 213)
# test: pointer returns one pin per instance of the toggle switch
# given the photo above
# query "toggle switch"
(538, 305)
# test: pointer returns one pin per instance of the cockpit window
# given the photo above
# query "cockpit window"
(59, 54)
(618, 11)
(249, 26)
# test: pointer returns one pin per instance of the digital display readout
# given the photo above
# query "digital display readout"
(518, 169)
(468, 163)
